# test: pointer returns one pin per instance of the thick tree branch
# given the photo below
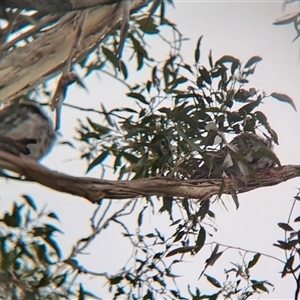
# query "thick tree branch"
(22, 68)
(49, 6)
(95, 189)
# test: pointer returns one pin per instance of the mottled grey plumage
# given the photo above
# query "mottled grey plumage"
(27, 125)
(246, 148)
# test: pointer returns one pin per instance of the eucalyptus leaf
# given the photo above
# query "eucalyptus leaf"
(284, 98)
(253, 60)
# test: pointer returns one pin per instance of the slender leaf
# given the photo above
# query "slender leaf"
(254, 260)
(110, 56)
(140, 217)
(30, 202)
(200, 239)
(213, 281)
(226, 59)
(180, 250)
(137, 96)
(98, 160)
(253, 60)
(197, 50)
(285, 227)
(287, 19)
(284, 98)
(147, 25)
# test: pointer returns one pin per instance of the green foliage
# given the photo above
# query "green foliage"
(177, 122)
(30, 258)
(32, 266)
(31, 262)
(193, 114)
(291, 245)
(232, 286)
(183, 115)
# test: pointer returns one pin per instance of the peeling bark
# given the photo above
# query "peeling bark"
(95, 189)
(24, 67)
(50, 6)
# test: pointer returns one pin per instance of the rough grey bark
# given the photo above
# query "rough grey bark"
(94, 189)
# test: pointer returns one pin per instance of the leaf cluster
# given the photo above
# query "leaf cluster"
(291, 246)
(183, 116)
(31, 264)
(176, 123)
(181, 119)
(232, 287)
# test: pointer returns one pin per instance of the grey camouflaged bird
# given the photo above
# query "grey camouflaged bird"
(28, 123)
(244, 147)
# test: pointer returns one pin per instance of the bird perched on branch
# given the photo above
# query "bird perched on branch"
(246, 153)
(25, 130)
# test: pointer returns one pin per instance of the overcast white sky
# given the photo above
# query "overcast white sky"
(239, 28)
